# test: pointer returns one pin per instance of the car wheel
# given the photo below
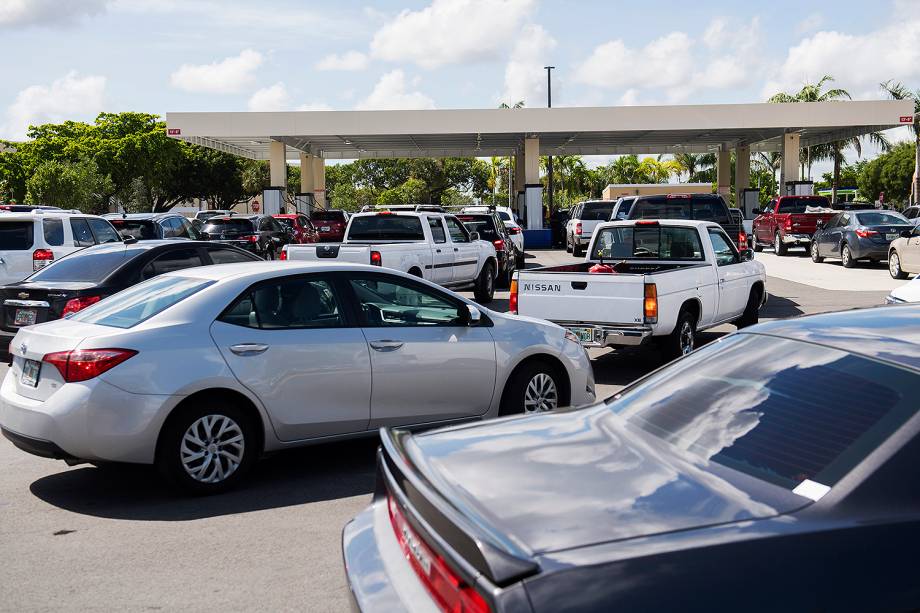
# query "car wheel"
(208, 449)
(817, 259)
(894, 266)
(519, 261)
(846, 257)
(534, 388)
(269, 254)
(484, 287)
(779, 247)
(504, 278)
(751, 313)
(682, 340)
(757, 247)
(568, 245)
(577, 251)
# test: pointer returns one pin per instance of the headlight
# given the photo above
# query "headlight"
(570, 336)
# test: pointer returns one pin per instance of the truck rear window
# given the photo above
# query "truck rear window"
(17, 235)
(703, 207)
(385, 227)
(482, 224)
(216, 226)
(800, 205)
(647, 243)
(596, 211)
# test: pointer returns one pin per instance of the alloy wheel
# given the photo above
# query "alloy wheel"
(894, 265)
(686, 338)
(540, 394)
(212, 448)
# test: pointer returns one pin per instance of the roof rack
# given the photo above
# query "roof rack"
(414, 208)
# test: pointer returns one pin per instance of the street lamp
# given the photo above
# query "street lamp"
(549, 159)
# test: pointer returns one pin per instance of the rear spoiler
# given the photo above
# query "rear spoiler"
(460, 536)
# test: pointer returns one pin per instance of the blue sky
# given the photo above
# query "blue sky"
(71, 60)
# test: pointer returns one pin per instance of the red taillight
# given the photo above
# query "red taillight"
(513, 300)
(84, 364)
(376, 260)
(499, 244)
(386, 213)
(253, 238)
(788, 224)
(578, 228)
(283, 255)
(674, 196)
(864, 232)
(647, 222)
(514, 230)
(41, 258)
(78, 304)
(450, 591)
(742, 240)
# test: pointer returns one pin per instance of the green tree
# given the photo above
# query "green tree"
(898, 91)
(695, 165)
(69, 185)
(413, 191)
(889, 173)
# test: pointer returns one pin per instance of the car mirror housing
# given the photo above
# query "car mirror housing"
(747, 255)
(475, 315)
(474, 236)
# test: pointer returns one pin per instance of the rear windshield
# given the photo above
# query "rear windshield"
(140, 302)
(880, 219)
(780, 410)
(504, 216)
(227, 225)
(16, 235)
(800, 205)
(597, 211)
(87, 265)
(138, 228)
(702, 207)
(327, 216)
(386, 227)
(482, 224)
(651, 243)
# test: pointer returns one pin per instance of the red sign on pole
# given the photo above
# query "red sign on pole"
(255, 206)
(173, 131)
(907, 119)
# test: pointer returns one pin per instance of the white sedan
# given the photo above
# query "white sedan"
(203, 370)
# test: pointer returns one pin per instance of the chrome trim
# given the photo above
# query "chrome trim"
(27, 303)
(611, 336)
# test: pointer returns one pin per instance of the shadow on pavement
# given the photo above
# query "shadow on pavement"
(778, 307)
(310, 474)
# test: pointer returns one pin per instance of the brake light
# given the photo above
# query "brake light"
(578, 228)
(75, 305)
(41, 258)
(681, 196)
(283, 254)
(650, 304)
(862, 232)
(513, 299)
(376, 259)
(253, 238)
(742, 240)
(647, 222)
(385, 213)
(514, 230)
(449, 591)
(84, 364)
(788, 223)
(499, 244)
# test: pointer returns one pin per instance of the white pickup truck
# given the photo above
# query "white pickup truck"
(645, 279)
(432, 245)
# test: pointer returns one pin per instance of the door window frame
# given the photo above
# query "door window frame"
(720, 232)
(466, 234)
(345, 307)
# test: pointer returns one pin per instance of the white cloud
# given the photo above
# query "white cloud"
(451, 32)
(228, 76)
(391, 93)
(272, 98)
(68, 98)
(314, 106)
(663, 62)
(350, 60)
(810, 23)
(20, 13)
(525, 78)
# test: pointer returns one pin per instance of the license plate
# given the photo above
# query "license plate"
(30, 370)
(585, 335)
(25, 317)
(325, 229)
(890, 237)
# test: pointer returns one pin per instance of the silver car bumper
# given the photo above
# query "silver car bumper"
(797, 239)
(609, 336)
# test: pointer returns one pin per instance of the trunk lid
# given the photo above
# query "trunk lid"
(888, 233)
(587, 298)
(47, 302)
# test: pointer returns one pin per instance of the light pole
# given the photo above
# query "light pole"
(549, 159)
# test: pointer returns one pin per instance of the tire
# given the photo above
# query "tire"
(568, 245)
(757, 247)
(817, 259)
(203, 477)
(894, 266)
(751, 313)
(269, 254)
(779, 247)
(484, 287)
(415, 272)
(577, 251)
(846, 257)
(504, 279)
(675, 345)
(532, 388)
(520, 263)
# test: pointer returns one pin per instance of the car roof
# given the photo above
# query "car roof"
(888, 333)
(219, 272)
(22, 216)
(247, 216)
(140, 216)
(682, 223)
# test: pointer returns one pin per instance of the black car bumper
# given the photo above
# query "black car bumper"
(865, 248)
(37, 446)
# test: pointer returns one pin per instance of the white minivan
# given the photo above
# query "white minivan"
(31, 241)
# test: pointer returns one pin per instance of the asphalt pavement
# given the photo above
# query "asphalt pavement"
(101, 539)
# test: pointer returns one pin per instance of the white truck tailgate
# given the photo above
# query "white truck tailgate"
(335, 252)
(597, 298)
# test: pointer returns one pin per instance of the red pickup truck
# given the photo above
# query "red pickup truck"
(786, 222)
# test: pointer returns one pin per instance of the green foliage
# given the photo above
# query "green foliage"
(347, 197)
(69, 185)
(890, 173)
(413, 191)
(454, 197)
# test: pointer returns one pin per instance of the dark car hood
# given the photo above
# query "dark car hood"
(570, 479)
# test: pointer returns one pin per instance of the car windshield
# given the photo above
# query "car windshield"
(597, 211)
(216, 226)
(86, 266)
(880, 219)
(780, 410)
(137, 228)
(650, 242)
(140, 302)
(16, 235)
(386, 226)
(482, 224)
(800, 205)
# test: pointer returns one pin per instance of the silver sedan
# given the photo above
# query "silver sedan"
(201, 371)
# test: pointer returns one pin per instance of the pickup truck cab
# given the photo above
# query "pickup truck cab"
(789, 221)
(428, 244)
(585, 216)
(647, 280)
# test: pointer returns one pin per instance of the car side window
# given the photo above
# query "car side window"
(844, 220)
(387, 301)
(54, 232)
(178, 228)
(437, 230)
(103, 231)
(221, 255)
(456, 230)
(723, 248)
(82, 235)
(178, 259)
(284, 304)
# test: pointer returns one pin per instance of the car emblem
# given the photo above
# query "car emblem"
(23, 295)
(23, 348)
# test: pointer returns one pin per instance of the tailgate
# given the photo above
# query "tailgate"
(807, 223)
(337, 252)
(587, 298)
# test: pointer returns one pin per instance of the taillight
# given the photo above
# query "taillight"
(862, 232)
(41, 258)
(514, 230)
(650, 304)
(283, 255)
(681, 196)
(253, 238)
(788, 224)
(449, 590)
(578, 228)
(742, 240)
(376, 260)
(513, 299)
(84, 364)
(647, 222)
(499, 245)
(75, 305)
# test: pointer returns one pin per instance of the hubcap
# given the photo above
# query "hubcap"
(894, 265)
(776, 240)
(212, 448)
(814, 250)
(686, 338)
(846, 255)
(541, 394)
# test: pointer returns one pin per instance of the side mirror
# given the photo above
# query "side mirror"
(474, 236)
(747, 255)
(475, 315)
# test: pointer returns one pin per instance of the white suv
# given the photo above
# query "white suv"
(31, 241)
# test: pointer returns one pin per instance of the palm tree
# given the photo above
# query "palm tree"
(694, 163)
(898, 91)
(768, 162)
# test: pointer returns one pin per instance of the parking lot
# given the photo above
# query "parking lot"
(88, 538)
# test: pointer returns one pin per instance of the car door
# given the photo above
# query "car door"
(733, 276)
(428, 364)
(466, 252)
(837, 234)
(288, 340)
(910, 254)
(442, 254)
(764, 225)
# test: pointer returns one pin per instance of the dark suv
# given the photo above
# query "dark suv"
(152, 226)
(491, 228)
(260, 234)
(330, 225)
(701, 207)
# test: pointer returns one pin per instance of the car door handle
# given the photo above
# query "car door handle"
(245, 349)
(386, 345)
(437, 251)
(456, 249)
